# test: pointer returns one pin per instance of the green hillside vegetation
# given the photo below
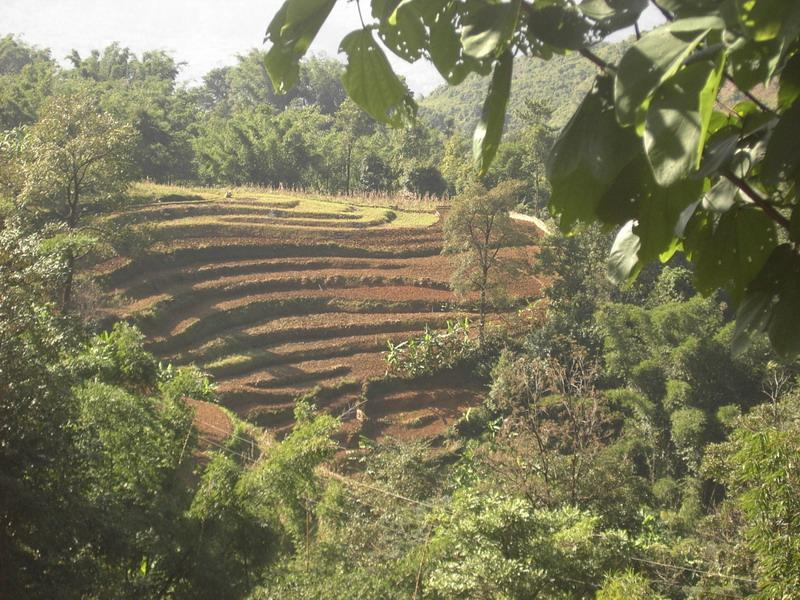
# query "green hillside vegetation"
(260, 345)
(560, 82)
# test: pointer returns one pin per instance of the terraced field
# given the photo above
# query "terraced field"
(276, 295)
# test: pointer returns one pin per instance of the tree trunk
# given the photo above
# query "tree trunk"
(347, 169)
(482, 317)
(66, 291)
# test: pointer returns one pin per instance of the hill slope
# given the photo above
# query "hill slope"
(560, 82)
(277, 294)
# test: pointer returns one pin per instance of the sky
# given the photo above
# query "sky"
(202, 33)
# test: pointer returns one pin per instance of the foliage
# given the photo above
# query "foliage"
(26, 78)
(491, 546)
(646, 150)
(431, 352)
(759, 467)
(185, 382)
(627, 586)
(477, 228)
(678, 357)
(560, 441)
(117, 357)
(36, 442)
(75, 153)
(285, 481)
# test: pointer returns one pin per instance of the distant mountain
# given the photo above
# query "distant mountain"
(561, 81)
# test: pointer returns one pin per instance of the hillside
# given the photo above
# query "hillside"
(278, 295)
(560, 82)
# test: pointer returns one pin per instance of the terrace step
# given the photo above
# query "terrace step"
(288, 354)
(244, 339)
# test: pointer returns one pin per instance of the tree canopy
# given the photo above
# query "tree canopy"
(651, 149)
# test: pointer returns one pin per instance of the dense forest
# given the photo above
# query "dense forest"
(235, 130)
(638, 431)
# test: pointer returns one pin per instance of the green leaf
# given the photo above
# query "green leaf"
(690, 8)
(646, 65)
(721, 197)
(384, 10)
(372, 84)
(782, 161)
(767, 20)
(588, 156)
(678, 118)
(658, 218)
(789, 90)
(611, 15)
(719, 150)
(403, 31)
(445, 49)
(444, 46)
(291, 32)
(621, 201)
(770, 304)
(487, 27)
(753, 63)
(655, 211)
(558, 26)
(623, 260)
(490, 128)
(729, 251)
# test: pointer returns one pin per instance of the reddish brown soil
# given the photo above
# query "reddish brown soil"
(366, 286)
(210, 421)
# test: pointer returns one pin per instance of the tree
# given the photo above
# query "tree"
(524, 155)
(351, 123)
(376, 175)
(476, 230)
(425, 181)
(26, 78)
(489, 545)
(646, 151)
(74, 154)
(759, 467)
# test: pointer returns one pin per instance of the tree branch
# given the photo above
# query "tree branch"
(667, 15)
(599, 62)
(750, 96)
(758, 200)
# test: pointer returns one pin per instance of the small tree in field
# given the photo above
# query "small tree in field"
(76, 153)
(477, 229)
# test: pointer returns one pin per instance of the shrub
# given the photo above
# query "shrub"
(118, 357)
(431, 352)
(185, 382)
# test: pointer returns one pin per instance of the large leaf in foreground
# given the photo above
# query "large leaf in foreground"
(487, 27)
(372, 84)
(771, 303)
(649, 63)
(586, 160)
(490, 128)
(677, 121)
(729, 251)
(291, 32)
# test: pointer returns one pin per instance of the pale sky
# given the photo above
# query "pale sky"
(203, 33)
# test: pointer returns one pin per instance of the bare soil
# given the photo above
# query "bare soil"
(276, 299)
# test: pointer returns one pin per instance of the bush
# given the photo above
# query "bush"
(118, 357)
(185, 382)
(431, 352)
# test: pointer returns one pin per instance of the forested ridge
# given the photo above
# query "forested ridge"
(603, 282)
